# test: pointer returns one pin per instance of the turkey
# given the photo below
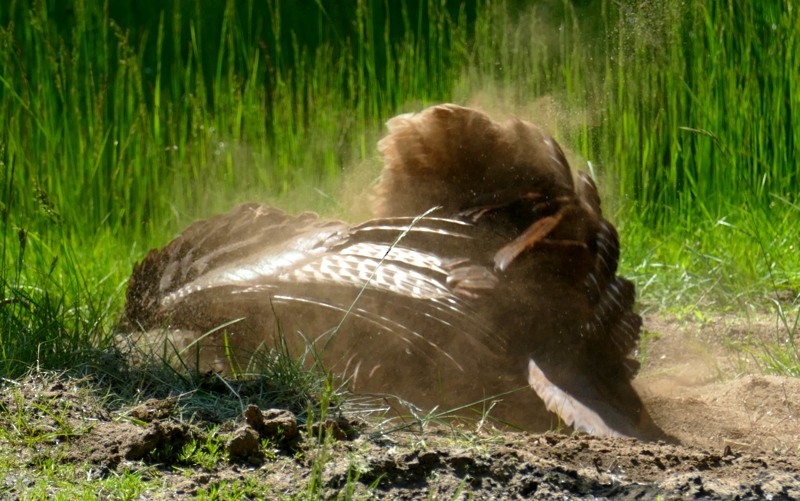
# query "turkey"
(487, 271)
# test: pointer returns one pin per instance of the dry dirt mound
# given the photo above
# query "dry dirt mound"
(691, 387)
(753, 413)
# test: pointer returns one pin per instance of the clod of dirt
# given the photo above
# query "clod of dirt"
(245, 444)
(111, 442)
(278, 425)
(157, 436)
(152, 409)
(339, 429)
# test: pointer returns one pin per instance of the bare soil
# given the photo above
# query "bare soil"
(740, 437)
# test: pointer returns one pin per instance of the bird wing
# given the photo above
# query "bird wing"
(381, 288)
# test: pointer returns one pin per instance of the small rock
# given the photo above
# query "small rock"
(244, 444)
(254, 417)
(278, 425)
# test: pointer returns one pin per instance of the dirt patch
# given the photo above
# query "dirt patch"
(696, 384)
(753, 413)
(544, 466)
(740, 434)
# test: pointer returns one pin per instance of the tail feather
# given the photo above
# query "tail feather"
(456, 157)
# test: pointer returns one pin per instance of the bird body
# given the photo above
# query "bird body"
(488, 270)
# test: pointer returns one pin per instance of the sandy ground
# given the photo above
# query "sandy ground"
(699, 384)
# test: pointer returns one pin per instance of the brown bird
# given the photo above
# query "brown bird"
(489, 270)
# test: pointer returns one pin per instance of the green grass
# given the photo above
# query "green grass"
(69, 482)
(44, 415)
(34, 433)
(119, 130)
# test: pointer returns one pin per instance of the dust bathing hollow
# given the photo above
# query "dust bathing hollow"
(507, 284)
